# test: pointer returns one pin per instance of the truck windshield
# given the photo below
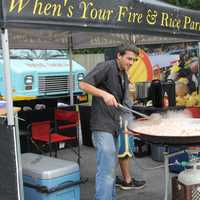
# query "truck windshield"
(51, 54)
(36, 54)
(22, 54)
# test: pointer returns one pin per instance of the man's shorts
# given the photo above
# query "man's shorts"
(126, 145)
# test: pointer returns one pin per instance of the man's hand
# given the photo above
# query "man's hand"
(109, 99)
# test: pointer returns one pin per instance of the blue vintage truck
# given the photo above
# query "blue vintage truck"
(42, 77)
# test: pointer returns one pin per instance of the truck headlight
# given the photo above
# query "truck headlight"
(80, 76)
(28, 80)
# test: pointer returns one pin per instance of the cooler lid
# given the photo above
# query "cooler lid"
(44, 167)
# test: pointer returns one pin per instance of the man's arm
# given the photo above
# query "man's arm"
(108, 98)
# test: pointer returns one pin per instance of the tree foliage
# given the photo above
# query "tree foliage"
(192, 4)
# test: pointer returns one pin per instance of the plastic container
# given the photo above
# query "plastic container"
(190, 176)
(181, 191)
(141, 148)
(47, 178)
(176, 168)
(157, 152)
(195, 111)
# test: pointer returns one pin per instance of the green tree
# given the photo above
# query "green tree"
(192, 4)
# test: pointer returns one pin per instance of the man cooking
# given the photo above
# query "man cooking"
(108, 83)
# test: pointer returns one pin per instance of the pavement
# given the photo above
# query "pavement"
(149, 170)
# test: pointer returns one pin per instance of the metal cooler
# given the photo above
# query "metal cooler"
(47, 178)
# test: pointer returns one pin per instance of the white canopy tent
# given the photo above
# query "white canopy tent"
(81, 20)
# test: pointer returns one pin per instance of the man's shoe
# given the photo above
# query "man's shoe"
(118, 182)
(134, 184)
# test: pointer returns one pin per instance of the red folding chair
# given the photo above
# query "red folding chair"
(67, 123)
(41, 132)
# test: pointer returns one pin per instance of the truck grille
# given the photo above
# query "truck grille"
(55, 84)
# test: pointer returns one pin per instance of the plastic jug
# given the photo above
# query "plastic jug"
(191, 175)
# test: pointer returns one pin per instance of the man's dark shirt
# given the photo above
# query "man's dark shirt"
(108, 77)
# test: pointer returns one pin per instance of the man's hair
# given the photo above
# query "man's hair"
(126, 47)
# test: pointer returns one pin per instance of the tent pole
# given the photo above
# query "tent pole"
(198, 76)
(10, 114)
(70, 69)
(8, 90)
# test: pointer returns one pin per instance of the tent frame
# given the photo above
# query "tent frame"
(10, 19)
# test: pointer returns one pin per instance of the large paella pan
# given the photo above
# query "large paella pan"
(174, 129)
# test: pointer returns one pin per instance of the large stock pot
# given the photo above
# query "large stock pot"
(142, 89)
